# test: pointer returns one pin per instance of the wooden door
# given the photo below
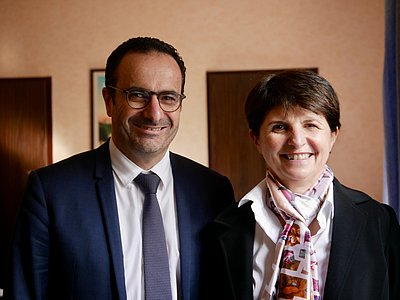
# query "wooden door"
(25, 144)
(231, 151)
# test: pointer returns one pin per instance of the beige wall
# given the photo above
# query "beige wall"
(344, 39)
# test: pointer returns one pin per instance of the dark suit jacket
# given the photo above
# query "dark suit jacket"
(364, 260)
(68, 243)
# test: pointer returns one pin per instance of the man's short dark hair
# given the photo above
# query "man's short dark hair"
(141, 45)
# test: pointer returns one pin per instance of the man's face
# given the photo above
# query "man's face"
(145, 134)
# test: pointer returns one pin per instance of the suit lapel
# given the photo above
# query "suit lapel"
(106, 195)
(185, 243)
(348, 224)
(181, 188)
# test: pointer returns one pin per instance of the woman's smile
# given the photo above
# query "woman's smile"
(300, 156)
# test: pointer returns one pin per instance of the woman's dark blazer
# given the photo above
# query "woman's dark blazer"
(364, 260)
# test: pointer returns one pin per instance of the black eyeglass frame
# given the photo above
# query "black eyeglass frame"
(149, 93)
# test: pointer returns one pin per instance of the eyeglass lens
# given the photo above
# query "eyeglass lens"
(168, 101)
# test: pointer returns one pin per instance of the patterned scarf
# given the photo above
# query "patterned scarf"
(295, 267)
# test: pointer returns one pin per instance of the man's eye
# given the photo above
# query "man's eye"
(138, 95)
(169, 97)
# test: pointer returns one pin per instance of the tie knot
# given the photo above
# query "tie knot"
(148, 183)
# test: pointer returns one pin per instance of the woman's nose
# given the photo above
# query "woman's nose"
(296, 137)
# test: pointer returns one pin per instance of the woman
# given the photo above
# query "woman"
(301, 234)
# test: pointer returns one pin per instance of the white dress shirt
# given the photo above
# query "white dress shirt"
(268, 229)
(130, 205)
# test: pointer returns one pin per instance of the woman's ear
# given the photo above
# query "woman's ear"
(334, 135)
(255, 139)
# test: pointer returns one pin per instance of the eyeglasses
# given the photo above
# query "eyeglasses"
(139, 98)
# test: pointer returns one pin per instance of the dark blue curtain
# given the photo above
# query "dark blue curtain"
(391, 105)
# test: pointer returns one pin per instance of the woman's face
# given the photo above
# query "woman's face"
(295, 146)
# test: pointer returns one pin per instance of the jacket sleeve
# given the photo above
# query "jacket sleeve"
(28, 275)
(393, 254)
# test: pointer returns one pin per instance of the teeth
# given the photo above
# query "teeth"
(152, 128)
(298, 156)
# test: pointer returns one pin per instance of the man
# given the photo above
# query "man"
(79, 234)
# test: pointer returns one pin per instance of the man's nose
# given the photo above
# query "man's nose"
(153, 110)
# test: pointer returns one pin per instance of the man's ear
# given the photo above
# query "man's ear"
(108, 101)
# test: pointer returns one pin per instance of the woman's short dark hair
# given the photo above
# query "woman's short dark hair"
(290, 89)
(141, 45)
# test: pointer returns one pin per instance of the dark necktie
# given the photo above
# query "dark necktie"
(155, 257)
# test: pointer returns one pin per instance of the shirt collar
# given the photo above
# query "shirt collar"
(263, 215)
(126, 170)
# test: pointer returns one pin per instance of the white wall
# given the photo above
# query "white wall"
(344, 39)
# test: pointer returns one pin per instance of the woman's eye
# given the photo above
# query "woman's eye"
(278, 127)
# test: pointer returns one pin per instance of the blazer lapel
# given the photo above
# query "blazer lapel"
(237, 247)
(348, 224)
(106, 195)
